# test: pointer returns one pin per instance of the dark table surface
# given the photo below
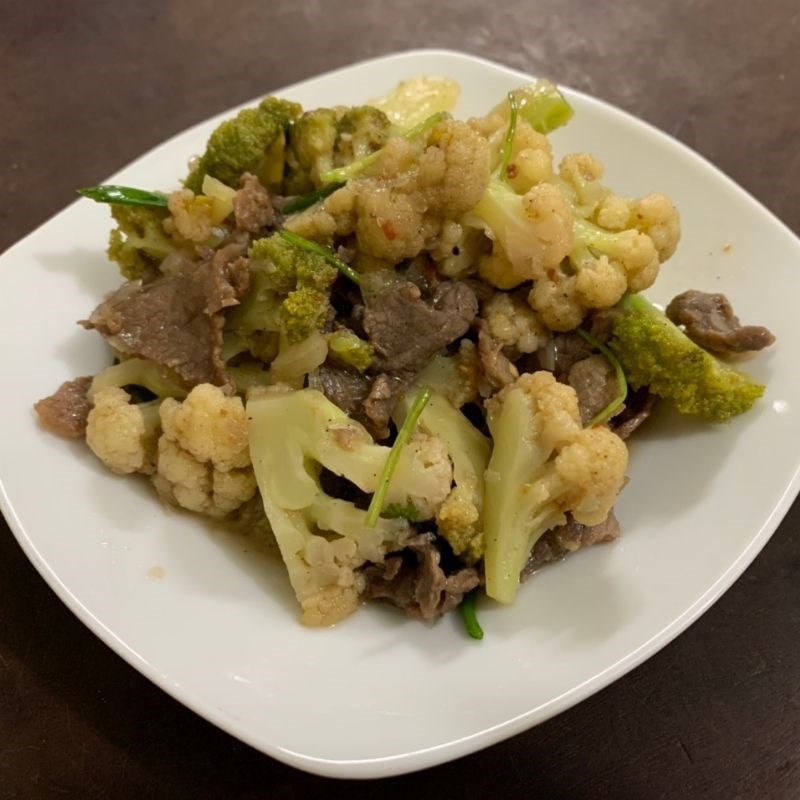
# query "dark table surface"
(88, 85)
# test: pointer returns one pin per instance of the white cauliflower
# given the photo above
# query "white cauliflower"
(203, 459)
(513, 323)
(123, 435)
(397, 209)
(325, 541)
(532, 232)
(543, 465)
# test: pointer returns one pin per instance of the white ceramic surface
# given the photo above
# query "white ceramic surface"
(379, 694)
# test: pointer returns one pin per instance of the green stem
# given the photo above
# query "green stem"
(509, 140)
(124, 195)
(307, 200)
(622, 383)
(403, 435)
(468, 615)
(312, 247)
(353, 170)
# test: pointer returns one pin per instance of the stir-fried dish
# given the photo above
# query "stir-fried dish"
(408, 347)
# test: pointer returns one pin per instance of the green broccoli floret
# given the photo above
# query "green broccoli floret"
(289, 291)
(656, 353)
(347, 349)
(253, 141)
(139, 243)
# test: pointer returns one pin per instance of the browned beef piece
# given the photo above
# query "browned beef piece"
(595, 383)
(66, 411)
(414, 580)
(379, 404)
(252, 207)
(344, 387)
(709, 321)
(638, 407)
(569, 348)
(495, 366)
(177, 321)
(407, 332)
(566, 539)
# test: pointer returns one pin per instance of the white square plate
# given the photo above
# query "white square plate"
(379, 694)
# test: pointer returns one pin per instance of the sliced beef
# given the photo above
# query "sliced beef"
(66, 411)
(415, 581)
(380, 402)
(367, 400)
(407, 332)
(709, 321)
(638, 407)
(595, 383)
(566, 539)
(568, 349)
(177, 321)
(344, 387)
(497, 369)
(252, 206)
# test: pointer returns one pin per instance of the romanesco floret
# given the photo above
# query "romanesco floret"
(323, 541)
(289, 291)
(309, 150)
(326, 138)
(361, 130)
(139, 243)
(121, 434)
(543, 465)
(656, 353)
(253, 141)
(203, 459)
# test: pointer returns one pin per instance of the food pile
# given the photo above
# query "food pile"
(411, 347)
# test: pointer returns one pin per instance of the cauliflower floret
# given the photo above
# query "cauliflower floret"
(324, 541)
(192, 216)
(601, 283)
(513, 323)
(656, 215)
(459, 521)
(203, 458)
(557, 302)
(614, 213)
(544, 464)
(532, 233)
(123, 436)
(390, 224)
(454, 169)
(458, 249)
(209, 426)
(397, 209)
(531, 159)
(580, 174)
